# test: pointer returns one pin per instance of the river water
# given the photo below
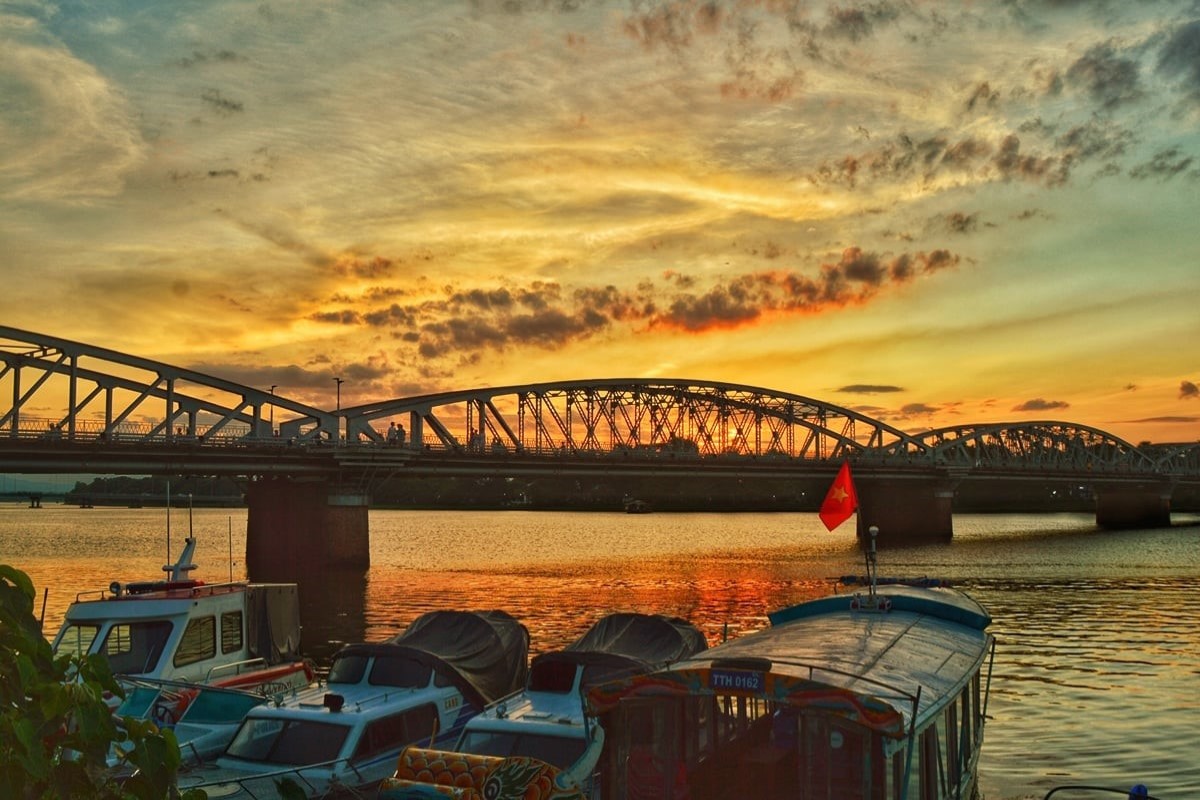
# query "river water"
(1097, 671)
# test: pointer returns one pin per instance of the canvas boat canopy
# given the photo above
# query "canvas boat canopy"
(879, 669)
(485, 653)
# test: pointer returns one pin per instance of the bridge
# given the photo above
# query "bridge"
(70, 407)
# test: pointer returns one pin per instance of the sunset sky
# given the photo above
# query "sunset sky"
(932, 213)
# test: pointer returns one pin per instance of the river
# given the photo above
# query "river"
(1097, 671)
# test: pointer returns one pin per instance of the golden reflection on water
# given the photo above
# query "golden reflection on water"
(1097, 663)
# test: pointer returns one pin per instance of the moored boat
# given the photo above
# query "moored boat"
(237, 634)
(879, 694)
(546, 721)
(346, 733)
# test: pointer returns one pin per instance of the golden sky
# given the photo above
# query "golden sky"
(932, 213)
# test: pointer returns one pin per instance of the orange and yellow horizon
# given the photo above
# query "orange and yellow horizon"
(934, 215)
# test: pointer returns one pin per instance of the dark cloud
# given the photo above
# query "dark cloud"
(959, 222)
(1039, 404)
(1165, 419)
(345, 317)
(1180, 57)
(463, 322)
(1188, 390)
(868, 388)
(855, 278)
(905, 158)
(673, 25)
(856, 23)
(354, 266)
(1011, 163)
(918, 410)
(1164, 165)
(983, 96)
(222, 105)
(1110, 79)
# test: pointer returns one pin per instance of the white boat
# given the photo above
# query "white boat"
(206, 720)
(236, 635)
(346, 733)
(546, 720)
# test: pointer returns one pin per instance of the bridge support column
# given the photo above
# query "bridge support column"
(906, 511)
(302, 526)
(1133, 507)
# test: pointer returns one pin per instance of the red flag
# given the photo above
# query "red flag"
(841, 500)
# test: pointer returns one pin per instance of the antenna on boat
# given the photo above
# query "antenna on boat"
(872, 564)
(872, 602)
(168, 521)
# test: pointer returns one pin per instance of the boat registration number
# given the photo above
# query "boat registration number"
(736, 680)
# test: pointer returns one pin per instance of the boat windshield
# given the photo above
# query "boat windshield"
(132, 648)
(388, 670)
(291, 743)
(76, 640)
(557, 751)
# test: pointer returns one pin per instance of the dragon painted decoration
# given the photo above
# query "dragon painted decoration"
(431, 774)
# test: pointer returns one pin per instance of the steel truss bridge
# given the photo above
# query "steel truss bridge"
(72, 407)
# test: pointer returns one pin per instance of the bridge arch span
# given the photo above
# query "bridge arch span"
(107, 394)
(1041, 445)
(636, 415)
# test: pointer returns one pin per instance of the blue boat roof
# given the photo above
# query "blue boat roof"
(927, 646)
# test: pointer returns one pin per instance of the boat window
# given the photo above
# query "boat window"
(837, 759)
(399, 671)
(135, 648)
(76, 640)
(199, 641)
(391, 733)
(231, 632)
(347, 669)
(287, 742)
(558, 751)
(552, 676)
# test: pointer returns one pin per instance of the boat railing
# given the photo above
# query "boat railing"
(1136, 792)
(236, 667)
(295, 772)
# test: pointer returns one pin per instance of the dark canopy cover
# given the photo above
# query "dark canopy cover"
(637, 642)
(486, 652)
(273, 621)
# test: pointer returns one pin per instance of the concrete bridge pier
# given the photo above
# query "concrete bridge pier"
(907, 511)
(1133, 507)
(301, 526)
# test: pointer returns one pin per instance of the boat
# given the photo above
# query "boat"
(877, 694)
(546, 721)
(206, 720)
(237, 634)
(346, 732)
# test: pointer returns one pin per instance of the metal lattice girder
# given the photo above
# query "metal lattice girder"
(1177, 458)
(1034, 445)
(638, 415)
(111, 395)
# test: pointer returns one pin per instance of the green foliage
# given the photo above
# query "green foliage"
(55, 727)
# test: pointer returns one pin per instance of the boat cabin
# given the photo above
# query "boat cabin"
(233, 634)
